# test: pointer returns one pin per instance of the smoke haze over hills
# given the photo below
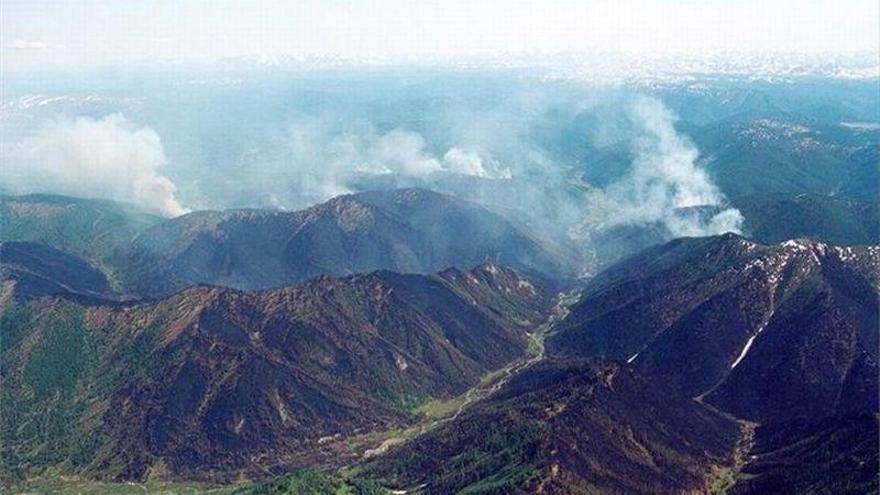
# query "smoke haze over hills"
(519, 145)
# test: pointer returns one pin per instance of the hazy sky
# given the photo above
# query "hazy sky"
(40, 32)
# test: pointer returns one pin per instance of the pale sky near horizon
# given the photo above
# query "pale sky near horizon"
(95, 32)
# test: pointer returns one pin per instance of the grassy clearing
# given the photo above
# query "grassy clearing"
(440, 408)
(721, 480)
(536, 343)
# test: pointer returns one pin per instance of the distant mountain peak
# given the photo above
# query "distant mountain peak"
(406, 230)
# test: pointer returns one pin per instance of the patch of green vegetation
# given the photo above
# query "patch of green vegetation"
(536, 343)
(15, 319)
(396, 390)
(313, 482)
(61, 355)
(721, 480)
(357, 300)
(46, 394)
(503, 461)
(128, 358)
(505, 482)
(440, 408)
(63, 485)
(87, 227)
(499, 465)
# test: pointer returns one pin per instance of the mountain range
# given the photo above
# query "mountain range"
(404, 230)
(213, 381)
(765, 354)
(407, 230)
(409, 340)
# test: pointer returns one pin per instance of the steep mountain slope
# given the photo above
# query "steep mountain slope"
(28, 270)
(790, 154)
(832, 455)
(410, 230)
(213, 381)
(91, 228)
(569, 426)
(779, 217)
(464, 230)
(763, 332)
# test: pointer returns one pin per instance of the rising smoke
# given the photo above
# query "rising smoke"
(105, 158)
(319, 160)
(525, 148)
(665, 182)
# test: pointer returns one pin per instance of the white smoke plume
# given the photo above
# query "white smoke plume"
(666, 180)
(321, 161)
(108, 158)
(469, 162)
(404, 153)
